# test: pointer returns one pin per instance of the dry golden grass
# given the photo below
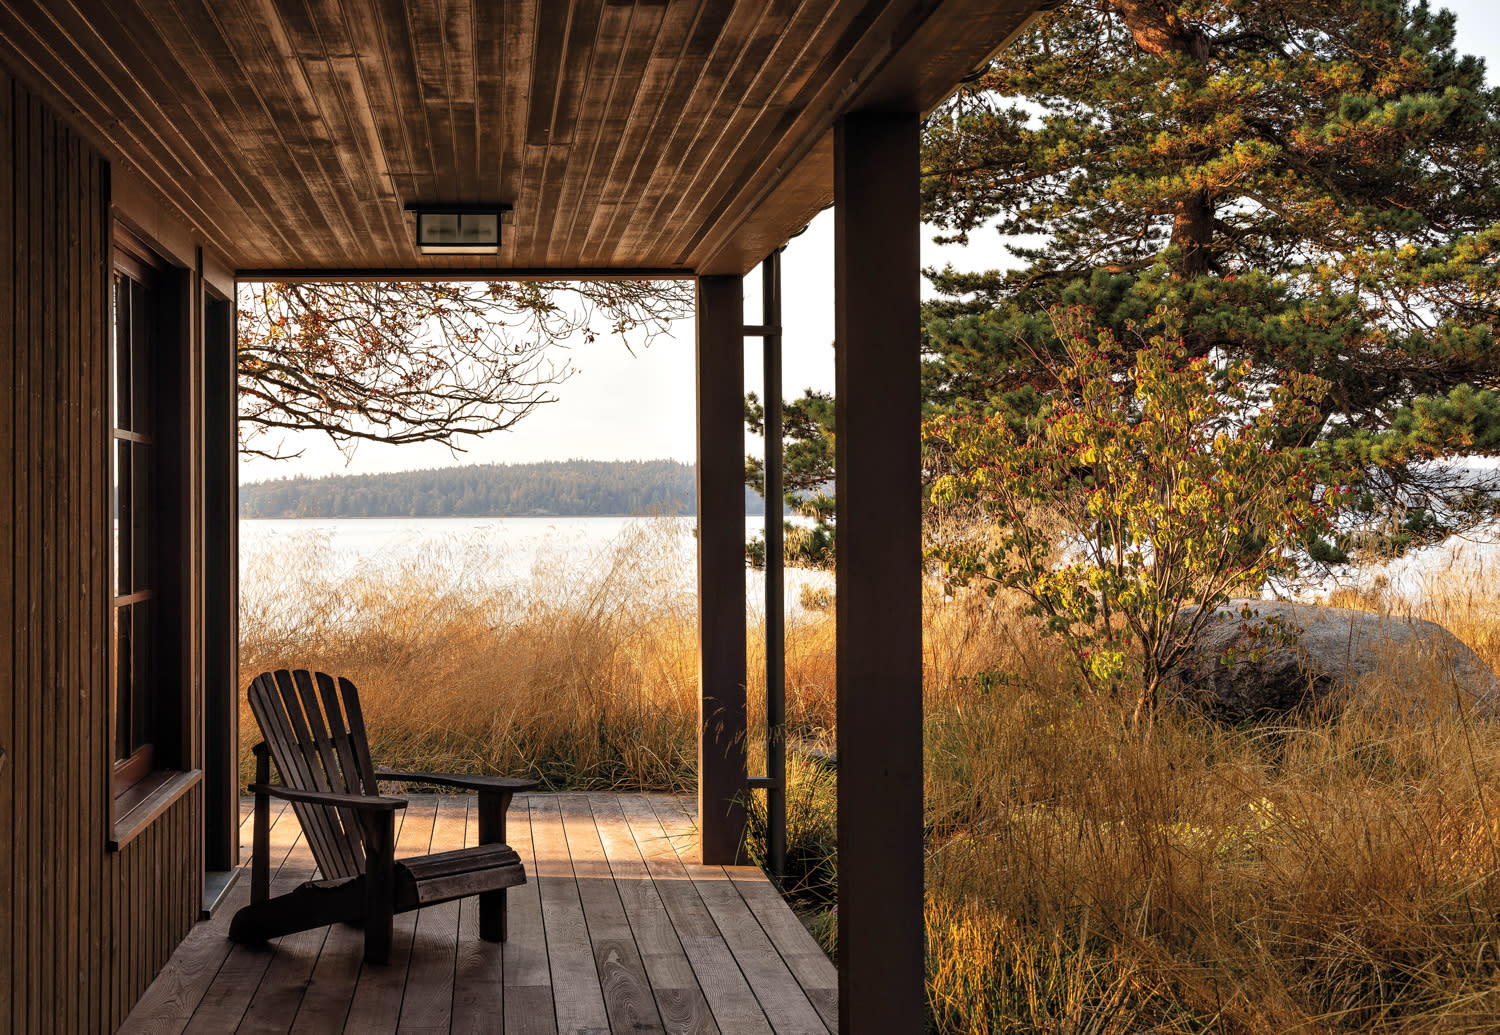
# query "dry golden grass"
(1340, 877)
(583, 675)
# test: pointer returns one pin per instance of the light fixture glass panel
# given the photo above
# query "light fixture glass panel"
(438, 228)
(480, 228)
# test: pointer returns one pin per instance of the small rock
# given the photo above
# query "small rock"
(1337, 655)
(818, 754)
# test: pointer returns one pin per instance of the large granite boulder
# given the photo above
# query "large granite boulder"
(1321, 658)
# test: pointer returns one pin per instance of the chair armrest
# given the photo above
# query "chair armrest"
(358, 802)
(472, 783)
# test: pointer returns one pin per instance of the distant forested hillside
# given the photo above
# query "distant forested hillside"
(569, 488)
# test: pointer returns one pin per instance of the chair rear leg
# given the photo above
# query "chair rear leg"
(492, 808)
(492, 921)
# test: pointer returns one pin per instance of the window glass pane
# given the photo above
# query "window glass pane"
(122, 518)
(123, 667)
(121, 372)
(141, 372)
(437, 228)
(142, 670)
(142, 530)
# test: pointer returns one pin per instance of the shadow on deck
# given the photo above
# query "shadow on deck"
(618, 929)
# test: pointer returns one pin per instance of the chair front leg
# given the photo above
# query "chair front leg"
(379, 830)
(492, 808)
(260, 849)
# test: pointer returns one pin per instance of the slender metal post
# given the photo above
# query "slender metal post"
(775, 575)
(879, 544)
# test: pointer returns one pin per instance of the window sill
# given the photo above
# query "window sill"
(139, 806)
(216, 885)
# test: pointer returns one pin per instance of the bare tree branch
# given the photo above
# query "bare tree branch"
(400, 362)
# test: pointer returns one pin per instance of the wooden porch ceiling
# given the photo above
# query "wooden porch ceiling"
(654, 135)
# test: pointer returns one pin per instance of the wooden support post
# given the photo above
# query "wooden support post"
(876, 284)
(221, 684)
(721, 569)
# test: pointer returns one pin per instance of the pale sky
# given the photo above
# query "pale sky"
(623, 407)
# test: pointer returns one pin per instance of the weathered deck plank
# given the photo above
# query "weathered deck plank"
(577, 991)
(684, 1011)
(618, 929)
(527, 978)
(729, 996)
(479, 970)
(169, 1003)
(229, 995)
(617, 960)
(789, 1013)
(428, 1003)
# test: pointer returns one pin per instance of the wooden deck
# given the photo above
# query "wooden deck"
(617, 930)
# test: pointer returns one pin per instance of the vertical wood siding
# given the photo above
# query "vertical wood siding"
(82, 929)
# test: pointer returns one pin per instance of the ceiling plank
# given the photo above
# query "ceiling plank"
(389, 27)
(437, 87)
(562, 149)
(771, 107)
(939, 45)
(317, 44)
(615, 67)
(519, 33)
(290, 132)
(688, 37)
(117, 111)
(675, 137)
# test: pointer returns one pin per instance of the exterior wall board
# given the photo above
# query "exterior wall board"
(9, 846)
(82, 929)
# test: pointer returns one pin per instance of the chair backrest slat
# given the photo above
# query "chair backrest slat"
(352, 779)
(325, 766)
(324, 830)
(316, 755)
(357, 780)
(276, 726)
(357, 733)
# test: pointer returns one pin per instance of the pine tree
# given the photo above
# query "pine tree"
(1311, 184)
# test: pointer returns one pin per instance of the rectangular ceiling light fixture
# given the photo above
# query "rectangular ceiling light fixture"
(459, 229)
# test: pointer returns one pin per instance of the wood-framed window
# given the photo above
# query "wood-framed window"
(133, 461)
(151, 591)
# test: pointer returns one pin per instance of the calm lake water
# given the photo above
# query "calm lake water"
(530, 550)
(502, 550)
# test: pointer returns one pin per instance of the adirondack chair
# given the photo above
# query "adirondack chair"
(314, 730)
